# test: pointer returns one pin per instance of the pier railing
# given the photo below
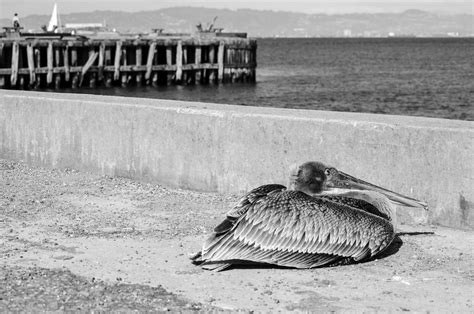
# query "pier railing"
(62, 61)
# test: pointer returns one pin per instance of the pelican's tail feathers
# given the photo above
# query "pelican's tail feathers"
(216, 266)
(196, 258)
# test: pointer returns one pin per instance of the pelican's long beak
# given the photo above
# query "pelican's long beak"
(344, 181)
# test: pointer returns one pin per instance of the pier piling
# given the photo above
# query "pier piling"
(49, 76)
(15, 56)
(179, 61)
(31, 64)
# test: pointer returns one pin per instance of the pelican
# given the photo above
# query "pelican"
(325, 217)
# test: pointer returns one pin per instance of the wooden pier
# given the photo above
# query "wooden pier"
(65, 61)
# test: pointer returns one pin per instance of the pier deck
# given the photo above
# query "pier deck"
(111, 59)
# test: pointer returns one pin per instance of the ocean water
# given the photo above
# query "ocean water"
(430, 77)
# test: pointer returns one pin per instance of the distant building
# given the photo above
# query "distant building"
(84, 25)
(371, 34)
(347, 33)
(300, 32)
(86, 28)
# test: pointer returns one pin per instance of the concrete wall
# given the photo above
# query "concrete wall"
(232, 148)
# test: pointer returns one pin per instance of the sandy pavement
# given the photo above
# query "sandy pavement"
(72, 240)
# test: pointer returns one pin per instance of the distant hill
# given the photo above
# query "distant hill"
(273, 23)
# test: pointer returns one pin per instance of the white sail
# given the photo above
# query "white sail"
(53, 22)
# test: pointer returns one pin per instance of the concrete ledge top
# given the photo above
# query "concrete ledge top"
(237, 110)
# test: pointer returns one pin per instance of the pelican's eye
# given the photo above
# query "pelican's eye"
(330, 172)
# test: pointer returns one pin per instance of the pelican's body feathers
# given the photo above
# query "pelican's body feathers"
(290, 228)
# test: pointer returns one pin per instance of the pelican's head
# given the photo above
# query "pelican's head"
(316, 178)
(309, 178)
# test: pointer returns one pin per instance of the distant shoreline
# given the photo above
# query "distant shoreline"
(263, 24)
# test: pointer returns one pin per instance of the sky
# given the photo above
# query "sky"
(29, 7)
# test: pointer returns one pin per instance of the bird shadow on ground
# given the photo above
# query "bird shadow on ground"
(415, 233)
(393, 248)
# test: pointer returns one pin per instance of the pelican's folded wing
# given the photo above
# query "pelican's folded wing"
(234, 214)
(243, 204)
(290, 228)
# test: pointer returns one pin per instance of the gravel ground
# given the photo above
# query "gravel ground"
(76, 205)
(39, 289)
(79, 241)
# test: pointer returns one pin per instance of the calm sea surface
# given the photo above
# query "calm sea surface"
(402, 76)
